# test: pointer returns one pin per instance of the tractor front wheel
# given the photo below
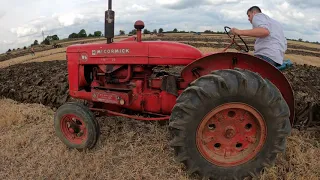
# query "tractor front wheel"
(76, 126)
(229, 124)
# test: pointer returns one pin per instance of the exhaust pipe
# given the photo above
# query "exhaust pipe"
(109, 23)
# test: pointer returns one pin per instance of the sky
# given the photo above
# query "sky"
(22, 22)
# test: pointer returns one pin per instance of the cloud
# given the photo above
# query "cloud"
(180, 4)
(137, 8)
(305, 4)
(185, 4)
(2, 14)
(188, 15)
(69, 19)
(24, 31)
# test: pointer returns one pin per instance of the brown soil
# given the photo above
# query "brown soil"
(305, 81)
(44, 83)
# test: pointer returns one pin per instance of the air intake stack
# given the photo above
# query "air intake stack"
(109, 23)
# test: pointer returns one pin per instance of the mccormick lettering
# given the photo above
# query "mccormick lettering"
(110, 51)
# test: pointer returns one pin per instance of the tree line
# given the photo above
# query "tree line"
(83, 34)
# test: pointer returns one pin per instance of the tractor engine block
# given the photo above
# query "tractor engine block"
(147, 89)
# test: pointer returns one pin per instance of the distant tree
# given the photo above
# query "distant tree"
(317, 42)
(24, 47)
(9, 50)
(133, 32)
(13, 49)
(175, 30)
(97, 33)
(122, 32)
(55, 37)
(18, 48)
(82, 33)
(300, 39)
(155, 31)
(49, 38)
(73, 35)
(146, 31)
(35, 42)
(160, 30)
(90, 35)
(46, 41)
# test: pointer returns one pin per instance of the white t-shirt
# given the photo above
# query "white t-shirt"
(274, 45)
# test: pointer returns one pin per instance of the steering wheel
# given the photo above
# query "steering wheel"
(234, 42)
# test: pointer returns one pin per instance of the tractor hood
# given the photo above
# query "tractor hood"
(145, 52)
(174, 50)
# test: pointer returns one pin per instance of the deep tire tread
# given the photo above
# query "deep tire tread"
(219, 85)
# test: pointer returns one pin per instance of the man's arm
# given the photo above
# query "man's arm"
(255, 32)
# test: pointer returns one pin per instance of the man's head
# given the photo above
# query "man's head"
(253, 11)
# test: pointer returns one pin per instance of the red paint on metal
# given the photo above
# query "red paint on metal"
(155, 83)
(95, 83)
(139, 25)
(139, 34)
(111, 97)
(233, 60)
(73, 68)
(142, 57)
(82, 79)
(231, 134)
(130, 116)
(73, 128)
(167, 102)
(156, 53)
(128, 76)
(172, 53)
(138, 69)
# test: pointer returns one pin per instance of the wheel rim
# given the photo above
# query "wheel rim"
(73, 129)
(231, 134)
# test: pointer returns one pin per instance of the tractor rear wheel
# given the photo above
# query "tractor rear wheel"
(229, 124)
(76, 126)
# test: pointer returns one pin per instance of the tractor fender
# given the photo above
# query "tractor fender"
(232, 60)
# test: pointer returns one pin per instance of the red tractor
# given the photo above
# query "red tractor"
(229, 112)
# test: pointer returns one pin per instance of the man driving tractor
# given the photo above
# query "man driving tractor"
(271, 43)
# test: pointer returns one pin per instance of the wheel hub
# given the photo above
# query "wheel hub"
(231, 134)
(73, 129)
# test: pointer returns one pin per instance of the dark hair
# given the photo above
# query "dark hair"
(254, 8)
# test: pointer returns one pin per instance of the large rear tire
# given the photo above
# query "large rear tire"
(229, 124)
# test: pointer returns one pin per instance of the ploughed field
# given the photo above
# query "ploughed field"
(128, 149)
